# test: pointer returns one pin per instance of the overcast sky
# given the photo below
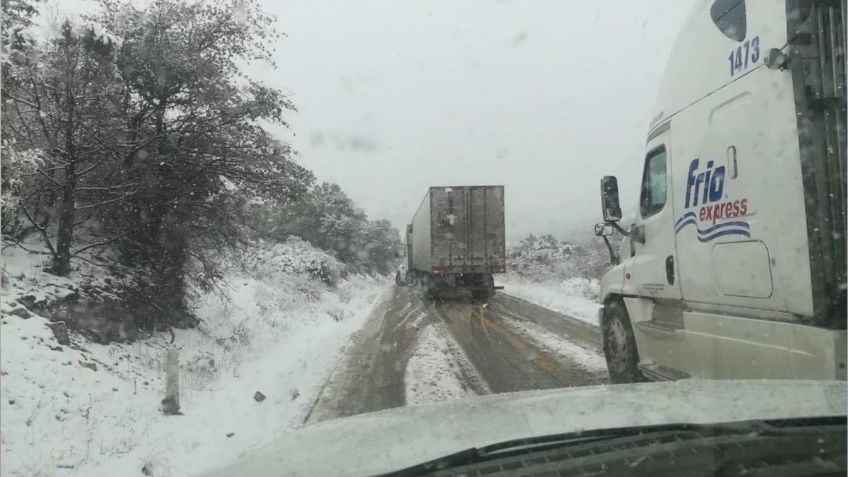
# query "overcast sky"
(544, 97)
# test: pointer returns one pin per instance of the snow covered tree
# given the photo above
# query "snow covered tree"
(17, 16)
(58, 111)
(328, 219)
(193, 132)
(379, 242)
(138, 127)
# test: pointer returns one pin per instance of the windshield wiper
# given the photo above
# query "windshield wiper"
(791, 447)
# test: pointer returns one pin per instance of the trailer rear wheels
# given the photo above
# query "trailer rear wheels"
(620, 345)
(483, 287)
(480, 295)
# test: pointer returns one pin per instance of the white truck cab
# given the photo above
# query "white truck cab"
(735, 266)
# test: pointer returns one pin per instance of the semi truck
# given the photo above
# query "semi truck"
(735, 264)
(457, 240)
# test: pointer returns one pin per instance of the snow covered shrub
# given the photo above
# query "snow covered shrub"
(202, 368)
(337, 314)
(324, 272)
(547, 259)
(587, 288)
(294, 256)
(241, 334)
(542, 258)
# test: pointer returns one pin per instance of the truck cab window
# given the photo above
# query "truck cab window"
(729, 16)
(654, 183)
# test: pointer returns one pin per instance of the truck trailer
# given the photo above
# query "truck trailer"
(456, 240)
(734, 266)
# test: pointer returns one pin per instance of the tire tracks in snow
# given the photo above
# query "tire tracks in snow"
(439, 370)
(414, 351)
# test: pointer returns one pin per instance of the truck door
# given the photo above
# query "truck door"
(486, 228)
(652, 271)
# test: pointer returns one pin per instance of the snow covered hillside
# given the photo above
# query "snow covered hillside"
(250, 372)
(576, 297)
(557, 275)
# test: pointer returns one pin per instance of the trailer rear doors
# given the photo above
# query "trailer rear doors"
(468, 229)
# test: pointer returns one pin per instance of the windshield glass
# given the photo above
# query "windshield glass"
(367, 235)
(654, 183)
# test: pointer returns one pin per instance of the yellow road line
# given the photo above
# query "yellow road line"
(535, 356)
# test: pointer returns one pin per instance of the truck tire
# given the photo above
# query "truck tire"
(398, 281)
(620, 345)
(429, 293)
(483, 295)
(487, 292)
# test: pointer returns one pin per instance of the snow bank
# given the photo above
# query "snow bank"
(24, 280)
(435, 371)
(90, 409)
(557, 275)
(587, 358)
(575, 297)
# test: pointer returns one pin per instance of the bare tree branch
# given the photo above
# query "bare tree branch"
(50, 139)
(98, 244)
(105, 202)
(10, 243)
(21, 100)
(115, 187)
(42, 230)
(46, 176)
(91, 167)
(91, 261)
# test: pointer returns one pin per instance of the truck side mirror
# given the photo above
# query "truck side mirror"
(603, 230)
(609, 199)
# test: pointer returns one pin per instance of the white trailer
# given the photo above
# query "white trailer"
(457, 240)
(735, 266)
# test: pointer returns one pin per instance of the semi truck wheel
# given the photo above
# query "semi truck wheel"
(620, 345)
(488, 288)
(429, 293)
(398, 281)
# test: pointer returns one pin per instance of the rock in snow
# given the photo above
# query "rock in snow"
(91, 366)
(21, 312)
(60, 331)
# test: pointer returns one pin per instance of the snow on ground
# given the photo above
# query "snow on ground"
(438, 369)
(575, 297)
(91, 409)
(585, 357)
(25, 281)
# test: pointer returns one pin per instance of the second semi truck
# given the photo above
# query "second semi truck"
(734, 265)
(457, 240)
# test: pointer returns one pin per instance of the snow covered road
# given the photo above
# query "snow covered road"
(415, 351)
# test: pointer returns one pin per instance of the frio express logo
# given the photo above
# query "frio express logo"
(711, 216)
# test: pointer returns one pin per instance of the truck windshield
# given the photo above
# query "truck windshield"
(373, 230)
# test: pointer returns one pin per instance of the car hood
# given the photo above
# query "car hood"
(390, 440)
